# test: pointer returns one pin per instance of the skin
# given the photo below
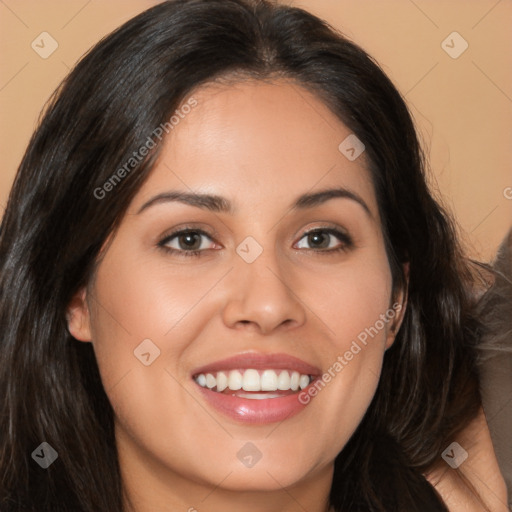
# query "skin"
(477, 484)
(260, 145)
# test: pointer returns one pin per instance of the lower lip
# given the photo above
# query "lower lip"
(254, 411)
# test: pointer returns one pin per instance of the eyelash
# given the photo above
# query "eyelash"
(346, 240)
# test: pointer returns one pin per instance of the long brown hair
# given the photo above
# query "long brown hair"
(55, 225)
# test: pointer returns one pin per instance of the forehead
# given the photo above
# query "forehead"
(257, 142)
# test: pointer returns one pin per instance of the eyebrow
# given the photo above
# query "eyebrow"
(219, 204)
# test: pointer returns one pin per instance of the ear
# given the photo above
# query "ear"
(397, 309)
(78, 316)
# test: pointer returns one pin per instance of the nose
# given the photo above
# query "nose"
(261, 296)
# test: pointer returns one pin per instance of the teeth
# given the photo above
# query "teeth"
(254, 380)
(303, 381)
(283, 382)
(258, 396)
(235, 380)
(269, 380)
(222, 381)
(294, 381)
(251, 381)
(211, 382)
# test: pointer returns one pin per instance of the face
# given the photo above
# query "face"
(276, 287)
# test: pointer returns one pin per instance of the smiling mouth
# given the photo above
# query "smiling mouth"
(254, 384)
(254, 388)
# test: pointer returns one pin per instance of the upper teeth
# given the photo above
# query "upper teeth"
(254, 380)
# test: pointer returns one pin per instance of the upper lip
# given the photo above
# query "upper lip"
(259, 361)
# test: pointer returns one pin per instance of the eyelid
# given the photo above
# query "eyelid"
(338, 232)
(341, 234)
(183, 230)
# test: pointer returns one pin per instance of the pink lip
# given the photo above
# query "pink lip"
(260, 361)
(257, 411)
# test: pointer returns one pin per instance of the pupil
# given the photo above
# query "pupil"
(189, 240)
(318, 237)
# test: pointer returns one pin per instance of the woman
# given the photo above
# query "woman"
(225, 284)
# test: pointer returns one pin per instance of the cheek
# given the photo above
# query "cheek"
(351, 302)
(355, 306)
(143, 321)
(136, 301)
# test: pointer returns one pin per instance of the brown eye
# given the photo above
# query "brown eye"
(189, 241)
(326, 240)
(319, 240)
(186, 242)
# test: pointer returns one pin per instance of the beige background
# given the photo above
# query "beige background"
(462, 106)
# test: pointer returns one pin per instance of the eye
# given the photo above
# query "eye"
(194, 241)
(325, 240)
(186, 242)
